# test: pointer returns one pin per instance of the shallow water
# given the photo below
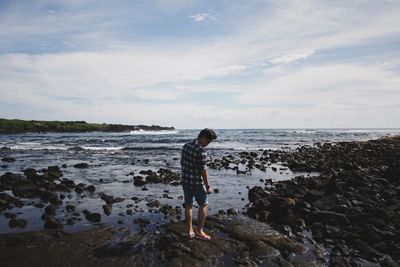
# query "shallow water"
(113, 156)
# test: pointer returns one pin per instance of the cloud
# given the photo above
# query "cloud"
(199, 17)
(293, 56)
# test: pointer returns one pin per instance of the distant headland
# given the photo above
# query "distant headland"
(10, 126)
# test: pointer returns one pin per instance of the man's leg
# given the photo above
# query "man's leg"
(202, 200)
(202, 213)
(188, 216)
(188, 195)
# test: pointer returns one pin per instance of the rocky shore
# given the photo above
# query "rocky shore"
(352, 207)
(347, 215)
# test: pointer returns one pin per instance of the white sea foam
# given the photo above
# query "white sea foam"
(102, 147)
(143, 132)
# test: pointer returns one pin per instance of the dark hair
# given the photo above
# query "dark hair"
(208, 133)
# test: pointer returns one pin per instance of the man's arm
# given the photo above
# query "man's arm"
(204, 173)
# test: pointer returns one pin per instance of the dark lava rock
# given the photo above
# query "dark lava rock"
(141, 221)
(107, 209)
(232, 237)
(17, 223)
(51, 197)
(352, 205)
(90, 188)
(52, 223)
(25, 189)
(70, 208)
(153, 203)
(9, 215)
(82, 165)
(51, 210)
(167, 210)
(54, 171)
(8, 159)
(232, 211)
(110, 199)
(93, 217)
(9, 202)
(139, 180)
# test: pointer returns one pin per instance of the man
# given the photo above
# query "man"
(194, 173)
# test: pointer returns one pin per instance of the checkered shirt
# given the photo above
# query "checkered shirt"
(193, 162)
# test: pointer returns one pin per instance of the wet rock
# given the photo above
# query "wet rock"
(232, 211)
(9, 202)
(329, 217)
(52, 223)
(110, 199)
(93, 217)
(9, 215)
(82, 165)
(141, 221)
(139, 180)
(107, 209)
(51, 210)
(90, 188)
(25, 189)
(52, 197)
(70, 208)
(54, 171)
(8, 159)
(167, 210)
(17, 223)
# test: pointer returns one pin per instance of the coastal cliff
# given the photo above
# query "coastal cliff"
(9, 126)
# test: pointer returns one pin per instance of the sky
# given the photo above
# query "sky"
(195, 64)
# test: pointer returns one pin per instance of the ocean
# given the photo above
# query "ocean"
(114, 158)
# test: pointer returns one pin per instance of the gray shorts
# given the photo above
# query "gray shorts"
(198, 193)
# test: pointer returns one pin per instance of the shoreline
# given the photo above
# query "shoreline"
(334, 216)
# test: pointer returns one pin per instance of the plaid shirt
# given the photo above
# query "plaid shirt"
(193, 162)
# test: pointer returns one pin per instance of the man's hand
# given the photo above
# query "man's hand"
(208, 189)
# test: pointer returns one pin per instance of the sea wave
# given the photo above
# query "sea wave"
(143, 132)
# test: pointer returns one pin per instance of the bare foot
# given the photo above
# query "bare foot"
(201, 235)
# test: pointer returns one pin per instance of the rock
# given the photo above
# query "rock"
(141, 221)
(8, 202)
(260, 249)
(51, 197)
(153, 203)
(82, 165)
(139, 180)
(17, 223)
(167, 210)
(90, 188)
(232, 211)
(107, 209)
(70, 208)
(9, 215)
(8, 159)
(51, 210)
(110, 199)
(25, 189)
(54, 171)
(329, 217)
(93, 217)
(52, 223)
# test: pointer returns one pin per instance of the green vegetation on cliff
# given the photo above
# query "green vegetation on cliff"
(19, 126)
